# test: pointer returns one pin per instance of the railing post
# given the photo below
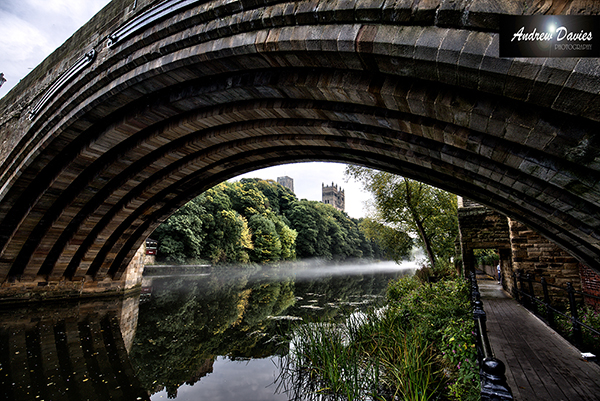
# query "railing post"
(475, 294)
(491, 370)
(480, 327)
(532, 293)
(549, 312)
(493, 381)
(516, 288)
(574, 315)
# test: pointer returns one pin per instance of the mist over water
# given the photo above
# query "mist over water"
(308, 269)
(202, 330)
(314, 269)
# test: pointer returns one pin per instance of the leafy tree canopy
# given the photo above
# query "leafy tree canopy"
(260, 221)
(182, 235)
(419, 211)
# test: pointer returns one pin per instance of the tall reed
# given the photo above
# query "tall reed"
(359, 360)
(405, 351)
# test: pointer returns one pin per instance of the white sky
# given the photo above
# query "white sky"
(30, 30)
(309, 177)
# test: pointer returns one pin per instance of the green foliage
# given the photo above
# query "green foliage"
(413, 208)
(182, 235)
(370, 358)
(404, 357)
(431, 307)
(441, 313)
(261, 221)
(236, 225)
(223, 226)
(400, 289)
(287, 237)
(587, 315)
(397, 244)
(279, 198)
(267, 246)
(486, 257)
(590, 316)
(459, 355)
(409, 367)
(322, 363)
(407, 351)
(325, 232)
(246, 199)
(311, 240)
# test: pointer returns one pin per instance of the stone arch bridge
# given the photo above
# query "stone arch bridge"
(152, 102)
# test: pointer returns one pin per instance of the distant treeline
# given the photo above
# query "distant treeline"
(260, 221)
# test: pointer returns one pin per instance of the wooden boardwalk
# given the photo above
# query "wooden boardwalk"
(540, 364)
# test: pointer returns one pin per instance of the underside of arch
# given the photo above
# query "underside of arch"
(164, 116)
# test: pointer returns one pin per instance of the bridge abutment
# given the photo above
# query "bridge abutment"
(21, 290)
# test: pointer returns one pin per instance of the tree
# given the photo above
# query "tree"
(395, 243)
(254, 197)
(303, 220)
(224, 228)
(262, 221)
(181, 237)
(267, 245)
(246, 199)
(325, 232)
(279, 198)
(421, 211)
(287, 237)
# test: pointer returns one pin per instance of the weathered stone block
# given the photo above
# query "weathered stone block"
(397, 10)
(369, 10)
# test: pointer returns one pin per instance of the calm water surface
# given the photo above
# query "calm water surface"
(212, 334)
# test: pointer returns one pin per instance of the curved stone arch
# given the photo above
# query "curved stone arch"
(191, 101)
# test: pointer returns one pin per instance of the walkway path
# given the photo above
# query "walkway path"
(540, 364)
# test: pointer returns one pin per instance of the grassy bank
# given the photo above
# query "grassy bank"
(418, 347)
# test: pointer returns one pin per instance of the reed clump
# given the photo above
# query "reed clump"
(418, 347)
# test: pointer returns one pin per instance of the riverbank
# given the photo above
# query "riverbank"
(150, 270)
(418, 347)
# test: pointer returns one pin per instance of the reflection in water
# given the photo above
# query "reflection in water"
(196, 325)
(194, 334)
(247, 380)
(69, 351)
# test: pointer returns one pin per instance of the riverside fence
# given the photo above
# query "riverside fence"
(550, 306)
(491, 370)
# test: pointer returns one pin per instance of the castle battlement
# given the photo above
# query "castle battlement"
(332, 195)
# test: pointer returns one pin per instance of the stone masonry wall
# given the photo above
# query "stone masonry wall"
(483, 228)
(534, 254)
(128, 318)
(153, 69)
(520, 249)
(133, 274)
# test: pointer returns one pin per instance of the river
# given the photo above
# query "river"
(214, 334)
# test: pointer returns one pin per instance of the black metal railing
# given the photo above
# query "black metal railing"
(491, 370)
(523, 285)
